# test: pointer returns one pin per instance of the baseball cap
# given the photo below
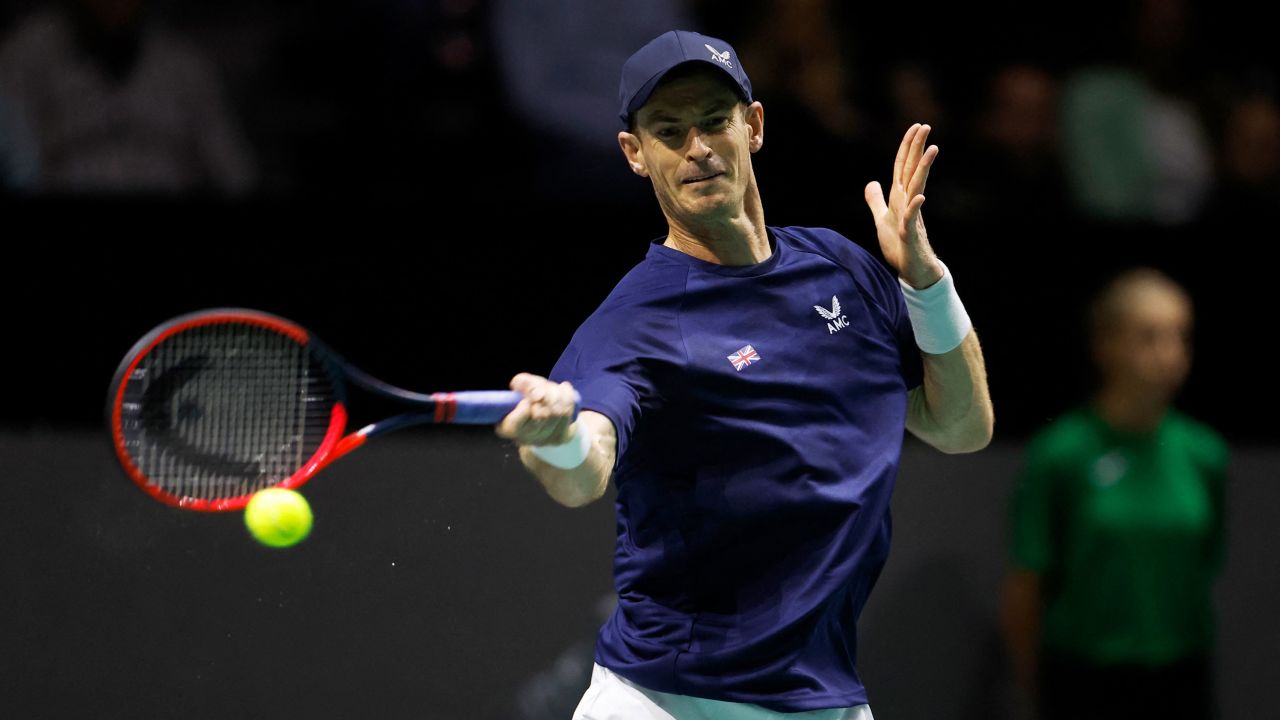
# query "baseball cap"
(642, 72)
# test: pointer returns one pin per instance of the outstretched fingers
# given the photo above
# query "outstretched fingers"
(874, 195)
(920, 177)
(904, 150)
(912, 216)
(914, 153)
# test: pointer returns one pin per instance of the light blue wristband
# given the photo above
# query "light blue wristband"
(569, 455)
(937, 315)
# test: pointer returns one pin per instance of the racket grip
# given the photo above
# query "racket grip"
(476, 407)
(486, 407)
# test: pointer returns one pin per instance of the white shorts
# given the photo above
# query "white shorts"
(613, 697)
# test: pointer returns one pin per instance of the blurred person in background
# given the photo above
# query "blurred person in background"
(1250, 160)
(116, 104)
(415, 88)
(1012, 164)
(559, 60)
(18, 161)
(802, 66)
(1134, 142)
(1117, 528)
(1011, 178)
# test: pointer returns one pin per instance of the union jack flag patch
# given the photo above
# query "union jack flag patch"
(744, 357)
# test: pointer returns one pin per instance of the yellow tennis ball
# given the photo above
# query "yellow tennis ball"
(277, 517)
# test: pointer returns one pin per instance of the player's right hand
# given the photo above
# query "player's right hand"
(544, 416)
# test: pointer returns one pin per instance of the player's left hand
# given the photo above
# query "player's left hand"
(899, 224)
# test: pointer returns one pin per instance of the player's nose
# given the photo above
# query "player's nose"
(698, 148)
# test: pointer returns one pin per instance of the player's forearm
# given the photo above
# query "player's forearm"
(952, 410)
(575, 487)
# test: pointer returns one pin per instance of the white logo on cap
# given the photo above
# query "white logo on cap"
(720, 57)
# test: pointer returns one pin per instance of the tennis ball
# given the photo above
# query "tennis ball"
(277, 517)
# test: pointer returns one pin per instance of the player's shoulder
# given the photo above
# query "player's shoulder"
(868, 271)
(651, 284)
(842, 251)
(648, 295)
(827, 242)
(638, 316)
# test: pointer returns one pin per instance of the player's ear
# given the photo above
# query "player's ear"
(754, 114)
(630, 145)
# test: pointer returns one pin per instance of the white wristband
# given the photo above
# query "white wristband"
(937, 315)
(569, 455)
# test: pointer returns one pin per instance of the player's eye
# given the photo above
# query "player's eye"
(717, 122)
(668, 132)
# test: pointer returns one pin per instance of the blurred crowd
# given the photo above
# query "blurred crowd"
(1108, 133)
(1157, 111)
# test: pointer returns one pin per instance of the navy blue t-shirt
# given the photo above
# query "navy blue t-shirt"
(760, 413)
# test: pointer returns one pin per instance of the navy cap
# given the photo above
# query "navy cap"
(642, 72)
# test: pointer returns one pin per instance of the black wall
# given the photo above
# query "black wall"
(439, 581)
(458, 294)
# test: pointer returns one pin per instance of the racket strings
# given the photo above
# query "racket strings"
(222, 411)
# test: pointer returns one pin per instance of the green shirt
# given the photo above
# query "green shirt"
(1126, 533)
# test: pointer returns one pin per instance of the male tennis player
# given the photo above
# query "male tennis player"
(747, 387)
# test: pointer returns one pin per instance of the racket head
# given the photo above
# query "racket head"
(211, 407)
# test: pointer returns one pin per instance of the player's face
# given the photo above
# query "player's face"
(1150, 347)
(693, 139)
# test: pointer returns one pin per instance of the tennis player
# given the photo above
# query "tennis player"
(747, 386)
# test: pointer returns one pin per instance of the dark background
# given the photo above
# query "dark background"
(439, 582)
(411, 211)
(409, 208)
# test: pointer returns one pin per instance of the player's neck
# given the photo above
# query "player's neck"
(740, 239)
(1129, 411)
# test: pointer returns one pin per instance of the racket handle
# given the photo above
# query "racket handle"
(475, 407)
(482, 407)
(467, 407)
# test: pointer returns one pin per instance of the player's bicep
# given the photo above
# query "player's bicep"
(918, 419)
(616, 397)
(922, 423)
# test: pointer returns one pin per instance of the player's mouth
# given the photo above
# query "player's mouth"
(701, 178)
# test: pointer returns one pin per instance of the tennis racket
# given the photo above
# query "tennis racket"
(209, 408)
